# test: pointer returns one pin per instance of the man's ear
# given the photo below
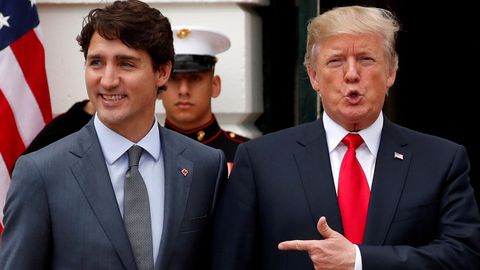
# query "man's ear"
(216, 86)
(163, 73)
(391, 77)
(312, 75)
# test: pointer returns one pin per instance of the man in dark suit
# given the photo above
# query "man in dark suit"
(69, 203)
(393, 199)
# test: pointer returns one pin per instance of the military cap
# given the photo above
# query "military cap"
(196, 48)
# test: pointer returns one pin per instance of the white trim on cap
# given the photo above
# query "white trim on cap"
(199, 41)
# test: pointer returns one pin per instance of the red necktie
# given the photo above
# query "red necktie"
(353, 192)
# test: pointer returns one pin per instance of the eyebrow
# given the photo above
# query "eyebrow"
(127, 57)
(93, 56)
(117, 57)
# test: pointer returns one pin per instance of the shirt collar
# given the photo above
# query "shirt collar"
(335, 133)
(115, 145)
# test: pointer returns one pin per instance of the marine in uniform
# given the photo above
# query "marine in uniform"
(193, 84)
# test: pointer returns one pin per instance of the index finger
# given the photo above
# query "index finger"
(297, 245)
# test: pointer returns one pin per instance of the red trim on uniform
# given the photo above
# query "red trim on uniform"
(212, 138)
(171, 125)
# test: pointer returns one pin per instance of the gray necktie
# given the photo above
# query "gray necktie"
(137, 212)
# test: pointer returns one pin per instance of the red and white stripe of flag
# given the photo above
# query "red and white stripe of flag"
(24, 101)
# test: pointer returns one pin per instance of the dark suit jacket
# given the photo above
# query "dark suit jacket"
(422, 212)
(61, 211)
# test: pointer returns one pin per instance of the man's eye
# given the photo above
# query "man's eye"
(126, 65)
(367, 59)
(334, 62)
(196, 78)
(94, 62)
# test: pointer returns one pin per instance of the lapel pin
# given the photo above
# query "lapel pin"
(184, 172)
(398, 156)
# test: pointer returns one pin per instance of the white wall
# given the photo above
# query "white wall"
(240, 67)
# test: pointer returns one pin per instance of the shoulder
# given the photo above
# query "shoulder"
(284, 137)
(419, 139)
(81, 139)
(234, 137)
(435, 150)
(280, 145)
(46, 163)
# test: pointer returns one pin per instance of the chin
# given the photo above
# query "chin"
(109, 116)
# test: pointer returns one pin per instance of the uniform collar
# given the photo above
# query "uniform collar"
(203, 134)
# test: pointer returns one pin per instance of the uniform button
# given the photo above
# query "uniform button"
(232, 135)
(200, 135)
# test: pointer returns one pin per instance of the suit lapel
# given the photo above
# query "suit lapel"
(177, 187)
(92, 176)
(388, 181)
(313, 163)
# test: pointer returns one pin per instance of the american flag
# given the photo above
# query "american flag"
(24, 98)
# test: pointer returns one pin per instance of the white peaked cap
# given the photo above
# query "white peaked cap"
(196, 40)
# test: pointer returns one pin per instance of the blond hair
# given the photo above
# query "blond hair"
(353, 20)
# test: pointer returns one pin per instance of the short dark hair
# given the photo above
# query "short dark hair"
(136, 24)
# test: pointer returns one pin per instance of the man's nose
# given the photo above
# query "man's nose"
(110, 77)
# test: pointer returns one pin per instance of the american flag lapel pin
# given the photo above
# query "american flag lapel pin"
(397, 155)
(184, 172)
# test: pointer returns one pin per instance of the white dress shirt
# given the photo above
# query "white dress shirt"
(366, 154)
(151, 166)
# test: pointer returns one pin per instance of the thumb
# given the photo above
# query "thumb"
(324, 229)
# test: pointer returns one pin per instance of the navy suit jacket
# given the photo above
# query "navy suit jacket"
(422, 212)
(61, 211)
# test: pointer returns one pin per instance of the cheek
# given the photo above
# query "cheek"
(92, 77)
(89, 82)
(166, 99)
(330, 84)
(88, 77)
(202, 99)
(376, 97)
(327, 79)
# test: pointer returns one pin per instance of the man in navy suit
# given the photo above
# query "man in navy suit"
(65, 206)
(283, 207)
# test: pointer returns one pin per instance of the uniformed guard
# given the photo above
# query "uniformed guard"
(193, 84)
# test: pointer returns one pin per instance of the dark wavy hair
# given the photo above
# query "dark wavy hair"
(136, 24)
